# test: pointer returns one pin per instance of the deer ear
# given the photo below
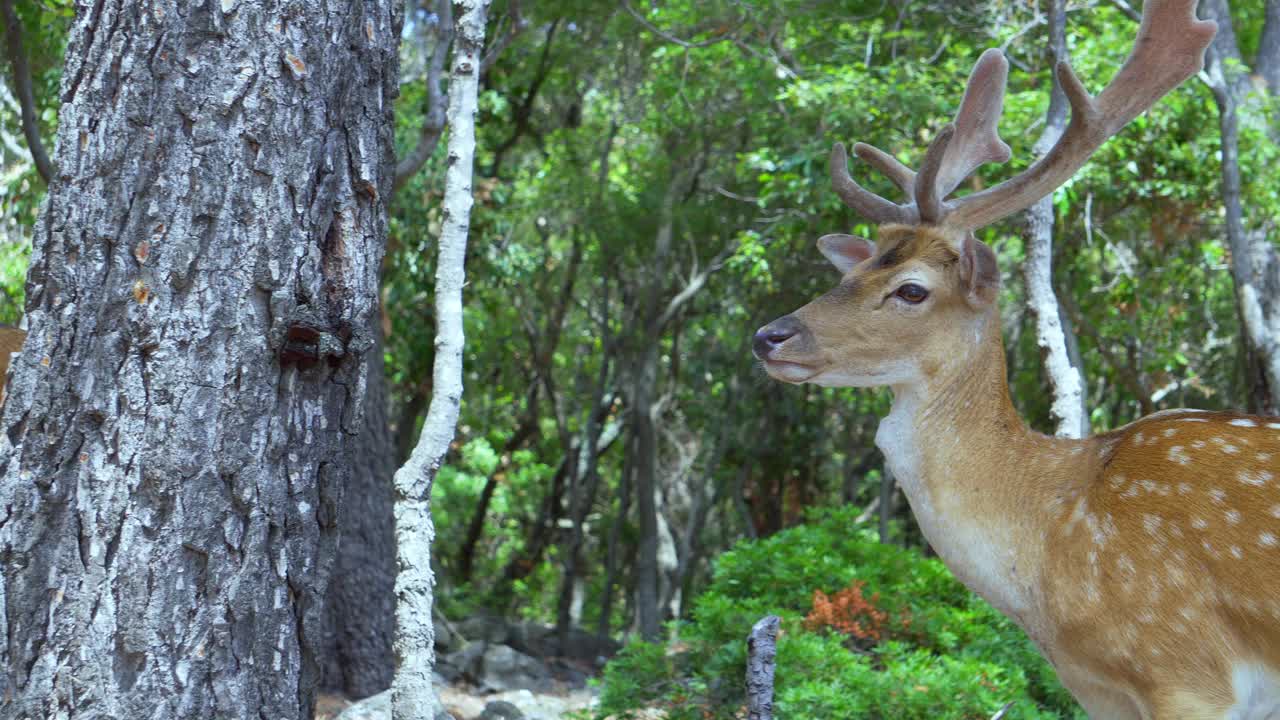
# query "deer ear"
(845, 251)
(978, 272)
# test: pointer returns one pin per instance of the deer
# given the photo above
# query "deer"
(1144, 563)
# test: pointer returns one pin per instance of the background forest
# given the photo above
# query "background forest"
(650, 181)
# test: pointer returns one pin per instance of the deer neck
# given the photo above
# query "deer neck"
(978, 480)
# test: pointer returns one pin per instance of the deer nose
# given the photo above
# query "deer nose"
(772, 336)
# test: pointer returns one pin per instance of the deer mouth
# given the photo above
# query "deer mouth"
(789, 372)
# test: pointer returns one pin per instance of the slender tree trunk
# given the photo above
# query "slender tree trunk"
(1255, 266)
(888, 489)
(361, 597)
(644, 380)
(613, 554)
(23, 87)
(179, 425)
(646, 455)
(1065, 378)
(412, 693)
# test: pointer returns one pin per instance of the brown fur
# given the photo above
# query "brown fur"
(11, 340)
(1140, 561)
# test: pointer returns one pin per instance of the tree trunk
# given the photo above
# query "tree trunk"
(1255, 266)
(646, 456)
(412, 693)
(1065, 378)
(361, 597)
(179, 425)
(22, 87)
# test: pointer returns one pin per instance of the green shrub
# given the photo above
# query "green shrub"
(955, 658)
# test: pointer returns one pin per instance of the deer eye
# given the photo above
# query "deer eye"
(912, 293)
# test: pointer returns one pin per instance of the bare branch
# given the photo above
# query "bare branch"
(26, 95)
(519, 23)
(433, 119)
(668, 36)
(1127, 9)
(696, 283)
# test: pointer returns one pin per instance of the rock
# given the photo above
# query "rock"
(531, 638)
(378, 707)
(504, 668)
(549, 706)
(447, 638)
(501, 710)
(484, 629)
(586, 647)
(374, 707)
(464, 664)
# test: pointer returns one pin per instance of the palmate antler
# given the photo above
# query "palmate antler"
(1169, 49)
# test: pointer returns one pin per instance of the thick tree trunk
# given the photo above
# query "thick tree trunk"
(412, 693)
(179, 425)
(361, 599)
(1065, 377)
(1255, 265)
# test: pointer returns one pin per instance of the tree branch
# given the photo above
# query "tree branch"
(518, 25)
(524, 110)
(26, 96)
(668, 36)
(433, 119)
(1127, 9)
(1268, 63)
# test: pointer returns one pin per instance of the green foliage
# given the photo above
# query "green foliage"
(956, 658)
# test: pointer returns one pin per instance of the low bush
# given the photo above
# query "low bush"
(869, 631)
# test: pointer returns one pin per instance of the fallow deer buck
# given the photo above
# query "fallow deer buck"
(1144, 563)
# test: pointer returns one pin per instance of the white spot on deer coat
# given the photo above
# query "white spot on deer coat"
(1257, 477)
(1243, 422)
(1177, 455)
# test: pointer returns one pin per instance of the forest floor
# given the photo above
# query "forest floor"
(465, 703)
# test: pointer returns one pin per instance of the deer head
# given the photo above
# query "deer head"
(926, 291)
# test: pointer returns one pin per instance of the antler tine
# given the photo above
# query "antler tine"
(868, 204)
(1169, 49)
(977, 139)
(928, 186)
(901, 175)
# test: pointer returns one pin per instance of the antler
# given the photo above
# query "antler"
(971, 140)
(1169, 49)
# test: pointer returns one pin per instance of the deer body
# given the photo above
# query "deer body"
(1122, 570)
(1145, 562)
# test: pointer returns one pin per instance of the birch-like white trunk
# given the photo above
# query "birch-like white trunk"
(1065, 379)
(412, 693)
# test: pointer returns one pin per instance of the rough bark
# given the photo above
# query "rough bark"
(1066, 380)
(180, 421)
(1255, 266)
(762, 653)
(412, 693)
(361, 599)
(26, 94)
